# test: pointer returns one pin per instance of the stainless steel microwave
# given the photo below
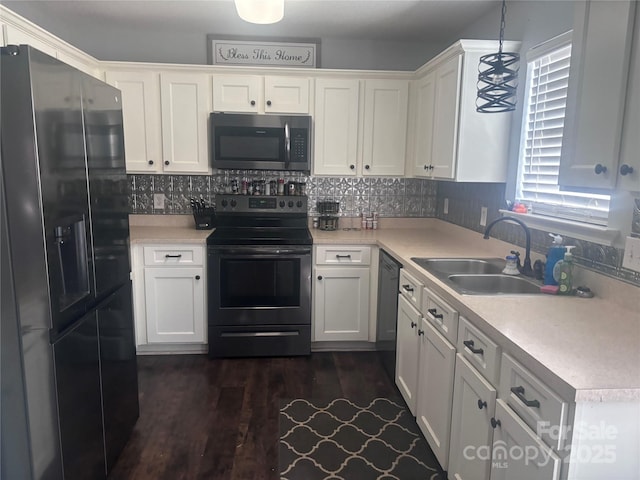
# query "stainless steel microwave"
(260, 142)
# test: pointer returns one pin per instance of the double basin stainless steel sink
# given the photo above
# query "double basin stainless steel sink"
(478, 276)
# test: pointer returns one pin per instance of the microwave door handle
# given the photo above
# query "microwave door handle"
(287, 146)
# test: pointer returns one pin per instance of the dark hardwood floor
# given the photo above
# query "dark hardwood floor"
(218, 419)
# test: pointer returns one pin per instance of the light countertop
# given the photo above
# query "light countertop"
(165, 229)
(584, 349)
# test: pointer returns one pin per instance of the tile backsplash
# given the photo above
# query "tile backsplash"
(464, 202)
(390, 197)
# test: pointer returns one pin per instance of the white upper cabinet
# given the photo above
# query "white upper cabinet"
(629, 168)
(385, 127)
(451, 141)
(260, 94)
(336, 126)
(141, 116)
(286, 94)
(185, 105)
(445, 119)
(600, 55)
(237, 93)
(425, 101)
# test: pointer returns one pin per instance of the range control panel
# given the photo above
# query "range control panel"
(261, 204)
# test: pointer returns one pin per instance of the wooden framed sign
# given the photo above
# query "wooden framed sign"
(264, 52)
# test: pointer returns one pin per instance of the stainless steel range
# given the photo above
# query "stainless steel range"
(259, 272)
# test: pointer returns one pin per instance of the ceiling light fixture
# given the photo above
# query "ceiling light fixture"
(498, 78)
(262, 12)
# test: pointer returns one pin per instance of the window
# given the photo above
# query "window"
(541, 139)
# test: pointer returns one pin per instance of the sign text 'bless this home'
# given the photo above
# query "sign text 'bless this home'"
(272, 54)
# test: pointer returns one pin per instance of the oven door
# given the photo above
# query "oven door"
(255, 285)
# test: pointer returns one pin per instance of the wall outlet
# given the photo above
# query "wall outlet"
(631, 259)
(483, 216)
(158, 201)
(446, 206)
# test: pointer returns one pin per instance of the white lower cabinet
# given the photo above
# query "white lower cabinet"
(435, 389)
(174, 298)
(407, 351)
(169, 285)
(518, 453)
(474, 403)
(341, 303)
(341, 292)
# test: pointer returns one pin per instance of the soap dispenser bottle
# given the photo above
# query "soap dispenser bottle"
(563, 273)
(554, 255)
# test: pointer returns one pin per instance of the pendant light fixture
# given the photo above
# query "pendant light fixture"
(262, 12)
(498, 77)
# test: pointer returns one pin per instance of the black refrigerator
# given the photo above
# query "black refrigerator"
(68, 366)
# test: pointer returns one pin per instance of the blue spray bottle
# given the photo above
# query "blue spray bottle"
(554, 255)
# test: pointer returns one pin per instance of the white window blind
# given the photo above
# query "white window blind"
(541, 141)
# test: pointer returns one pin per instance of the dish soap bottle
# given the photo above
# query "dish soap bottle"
(554, 255)
(563, 273)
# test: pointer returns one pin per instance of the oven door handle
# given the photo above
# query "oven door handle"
(262, 251)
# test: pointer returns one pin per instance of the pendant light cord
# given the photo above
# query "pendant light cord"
(502, 24)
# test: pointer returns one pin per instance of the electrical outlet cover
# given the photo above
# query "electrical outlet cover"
(483, 216)
(631, 259)
(158, 201)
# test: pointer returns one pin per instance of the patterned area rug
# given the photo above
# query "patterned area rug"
(343, 440)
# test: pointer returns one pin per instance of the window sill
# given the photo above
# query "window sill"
(581, 231)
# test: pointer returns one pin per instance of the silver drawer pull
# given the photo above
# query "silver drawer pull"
(343, 256)
(260, 334)
(407, 288)
(173, 256)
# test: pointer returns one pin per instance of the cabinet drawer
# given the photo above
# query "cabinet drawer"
(165, 255)
(411, 288)
(533, 401)
(341, 255)
(441, 315)
(483, 353)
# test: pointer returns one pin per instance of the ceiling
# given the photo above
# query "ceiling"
(382, 20)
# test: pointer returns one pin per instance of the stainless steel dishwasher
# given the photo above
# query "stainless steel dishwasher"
(388, 279)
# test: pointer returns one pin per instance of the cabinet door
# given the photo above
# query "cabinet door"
(336, 127)
(425, 100)
(518, 452)
(407, 351)
(629, 169)
(341, 303)
(385, 127)
(237, 93)
(474, 402)
(286, 95)
(185, 110)
(140, 112)
(174, 298)
(435, 390)
(445, 121)
(593, 120)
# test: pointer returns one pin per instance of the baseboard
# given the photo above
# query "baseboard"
(172, 349)
(342, 346)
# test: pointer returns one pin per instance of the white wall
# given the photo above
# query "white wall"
(153, 44)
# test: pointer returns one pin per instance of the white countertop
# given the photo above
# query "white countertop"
(165, 229)
(587, 350)
(584, 349)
